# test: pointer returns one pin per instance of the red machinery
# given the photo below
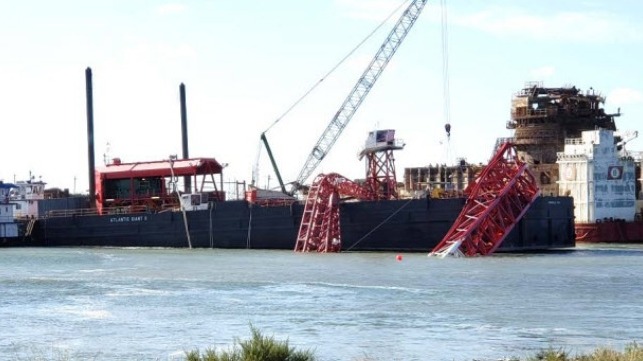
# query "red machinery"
(497, 200)
(148, 185)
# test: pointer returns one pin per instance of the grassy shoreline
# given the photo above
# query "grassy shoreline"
(263, 348)
(266, 348)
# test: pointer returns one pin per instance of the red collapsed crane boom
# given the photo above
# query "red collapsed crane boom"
(320, 227)
(497, 200)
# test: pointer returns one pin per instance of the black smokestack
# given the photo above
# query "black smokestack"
(90, 136)
(184, 134)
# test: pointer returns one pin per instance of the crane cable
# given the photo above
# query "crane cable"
(332, 70)
(255, 171)
(445, 73)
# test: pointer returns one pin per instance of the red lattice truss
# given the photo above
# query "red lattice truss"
(320, 230)
(497, 200)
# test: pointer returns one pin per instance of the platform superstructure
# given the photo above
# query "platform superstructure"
(543, 118)
(574, 148)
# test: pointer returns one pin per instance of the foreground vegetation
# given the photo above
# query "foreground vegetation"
(632, 352)
(262, 348)
(258, 348)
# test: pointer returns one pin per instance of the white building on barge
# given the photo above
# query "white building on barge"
(26, 197)
(600, 175)
(8, 224)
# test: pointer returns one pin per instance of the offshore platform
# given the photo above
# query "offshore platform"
(543, 118)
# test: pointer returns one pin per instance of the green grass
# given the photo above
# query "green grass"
(257, 348)
(632, 352)
(263, 348)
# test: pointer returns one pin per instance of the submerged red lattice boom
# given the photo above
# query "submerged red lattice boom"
(497, 200)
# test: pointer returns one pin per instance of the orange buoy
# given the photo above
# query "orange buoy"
(398, 257)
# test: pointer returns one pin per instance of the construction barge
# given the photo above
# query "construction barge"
(181, 203)
(519, 201)
(410, 225)
(138, 205)
(143, 204)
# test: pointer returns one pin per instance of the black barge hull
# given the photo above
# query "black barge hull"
(416, 225)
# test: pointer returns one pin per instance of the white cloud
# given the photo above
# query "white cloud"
(590, 27)
(171, 8)
(625, 96)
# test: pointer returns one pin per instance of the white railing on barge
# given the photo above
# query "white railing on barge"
(106, 210)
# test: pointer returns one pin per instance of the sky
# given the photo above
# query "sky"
(244, 63)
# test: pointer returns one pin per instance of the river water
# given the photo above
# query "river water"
(154, 304)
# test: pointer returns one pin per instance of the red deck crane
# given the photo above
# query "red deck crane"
(320, 229)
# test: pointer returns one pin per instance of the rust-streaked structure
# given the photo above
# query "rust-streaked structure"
(439, 180)
(542, 118)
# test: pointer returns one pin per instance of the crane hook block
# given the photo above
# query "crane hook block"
(318, 153)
